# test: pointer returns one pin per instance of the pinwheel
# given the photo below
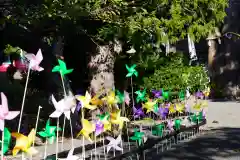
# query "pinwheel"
(104, 118)
(118, 119)
(61, 68)
(199, 94)
(163, 112)
(170, 125)
(85, 101)
(60, 108)
(172, 109)
(110, 99)
(158, 130)
(141, 95)
(7, 140)
(87, 128)
(197, 118)
(99, 127)
(35, 60)
(24, 143)
(207, 92)
(181, 95)
(120, 97)
(157, 93)
(138, 136)
(179, 108)
(177, 124)
(49, 132)
(126, 97)
(114, 143)
(96, 101)
(5, 114)
(138, 112)
(132, 71)
(165, 95)
(70, 156)
(149, 105)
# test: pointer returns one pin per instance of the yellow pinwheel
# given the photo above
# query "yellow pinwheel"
(24, 143)
(110, 98)
(179, 108)
(87, 128)
(118, 119)
(96, 101)
(149, 105)
(207, 92)
(85, 101)
(172, 109)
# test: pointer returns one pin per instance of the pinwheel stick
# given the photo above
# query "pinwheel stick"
(57, 139)
(36, 126)
(23, 100)
(64, 123)
(133, 103)
(2, 154)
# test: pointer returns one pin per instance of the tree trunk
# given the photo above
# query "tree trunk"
(101, 67)
(212, 50)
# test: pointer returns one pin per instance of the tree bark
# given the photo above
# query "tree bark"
(101, 67)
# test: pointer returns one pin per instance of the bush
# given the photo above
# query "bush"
(175, 74)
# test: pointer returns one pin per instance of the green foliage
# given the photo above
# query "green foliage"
(174, 74)
(139, 23)
(12, 50)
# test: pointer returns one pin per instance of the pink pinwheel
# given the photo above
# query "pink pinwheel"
(99, 127)
(138, 112)
(170, 125)
(35, 60)
(126, 98)
(5, 113)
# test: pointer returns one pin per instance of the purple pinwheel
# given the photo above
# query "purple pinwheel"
(187, 107)
(157, 93)
(138, 112)
(163, 112)
(199, 94)
(79, 105)
(167, 105)
(170, 125)
(99, 127)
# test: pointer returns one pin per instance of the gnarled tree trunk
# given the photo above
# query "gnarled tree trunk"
(101, 67)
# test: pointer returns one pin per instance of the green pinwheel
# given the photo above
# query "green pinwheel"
(197, 118)
(158, 130)
(49, 132)
(120, 97)
(181, 95)
(62, 68)
(138, 136)
(165, 95)
(141, 95)
(6, 140)
(104, 117)
(131, 71)
(155, 108)
(177, 124)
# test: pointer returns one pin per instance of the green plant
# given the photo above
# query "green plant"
(175, 74)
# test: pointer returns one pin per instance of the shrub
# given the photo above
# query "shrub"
(175, 74)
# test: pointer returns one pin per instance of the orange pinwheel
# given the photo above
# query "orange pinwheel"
(24, 143)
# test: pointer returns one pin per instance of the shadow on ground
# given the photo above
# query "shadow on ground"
(222, 143)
